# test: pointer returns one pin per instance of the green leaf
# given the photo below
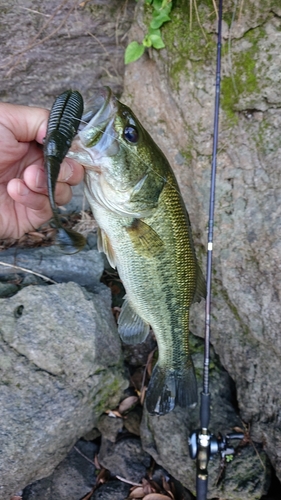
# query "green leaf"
(147, 41)
(157, 41)
(159, 20)
(164, 11)
(152, 31)
(157, 4)
(133, 52)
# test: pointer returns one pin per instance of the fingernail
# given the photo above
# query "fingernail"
(66, 171)
(40, 179)
(23, 189)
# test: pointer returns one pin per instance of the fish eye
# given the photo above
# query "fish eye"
(131, 134)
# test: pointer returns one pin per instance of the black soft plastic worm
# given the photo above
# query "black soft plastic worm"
(62, 126)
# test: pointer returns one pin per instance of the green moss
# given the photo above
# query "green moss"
(110, 389)
(187, 44)
(244, 78)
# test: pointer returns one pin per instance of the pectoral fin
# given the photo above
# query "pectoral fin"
(131, 328)
(144, 239)
(104, 246)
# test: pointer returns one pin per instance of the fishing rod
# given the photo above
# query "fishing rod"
(203, 444)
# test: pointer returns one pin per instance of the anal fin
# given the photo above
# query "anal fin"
(131, 328)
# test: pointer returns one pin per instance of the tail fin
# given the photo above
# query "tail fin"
(169, 387)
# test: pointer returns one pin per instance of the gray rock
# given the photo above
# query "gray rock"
(76, 46)
(7, 289)
(72, 479)
(124, 458)
(109, 427)
(84, 267)
(132, 421)
(111, 490)
(92, 434)
(61, 367)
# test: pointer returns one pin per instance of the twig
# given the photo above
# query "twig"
(119, 13)
(240, 11)
(28, 271)
(34, 11)
(199, 22)
(106, 51)
(128, 482)
(84, 456)
(216, 9)
(229, 49)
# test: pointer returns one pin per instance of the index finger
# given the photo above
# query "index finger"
(27, 123)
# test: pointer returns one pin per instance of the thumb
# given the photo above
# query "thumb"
(26, 123)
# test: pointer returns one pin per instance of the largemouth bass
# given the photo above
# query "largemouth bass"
(144, 230)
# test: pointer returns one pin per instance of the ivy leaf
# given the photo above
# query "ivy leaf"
(157, 4)
(133, 52)
(159, 20)
(147, 41)
(156, 41)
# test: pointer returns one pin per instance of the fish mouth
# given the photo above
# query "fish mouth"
(96, 135)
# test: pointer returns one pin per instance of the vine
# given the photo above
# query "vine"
(153, 38)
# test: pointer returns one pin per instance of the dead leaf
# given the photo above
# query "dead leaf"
(155, 488)
(16, 497)
(238, 429)
(113, 413)
(96, 462)
(102, 477)
(155, 496)
(149, 363)
(137, 492)
(127, 403)
(90, 494)
(167, 488)
(36, 235)
(137, 378)
(142, 396)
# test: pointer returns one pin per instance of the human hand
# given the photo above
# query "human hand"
(24, 202)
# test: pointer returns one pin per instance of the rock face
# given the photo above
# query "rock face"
(124, 458)
(48, 47)
(73, 478)
(173, 95)
(61, 367)
(85, 267)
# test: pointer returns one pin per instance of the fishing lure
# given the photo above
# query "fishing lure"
(62, 126)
